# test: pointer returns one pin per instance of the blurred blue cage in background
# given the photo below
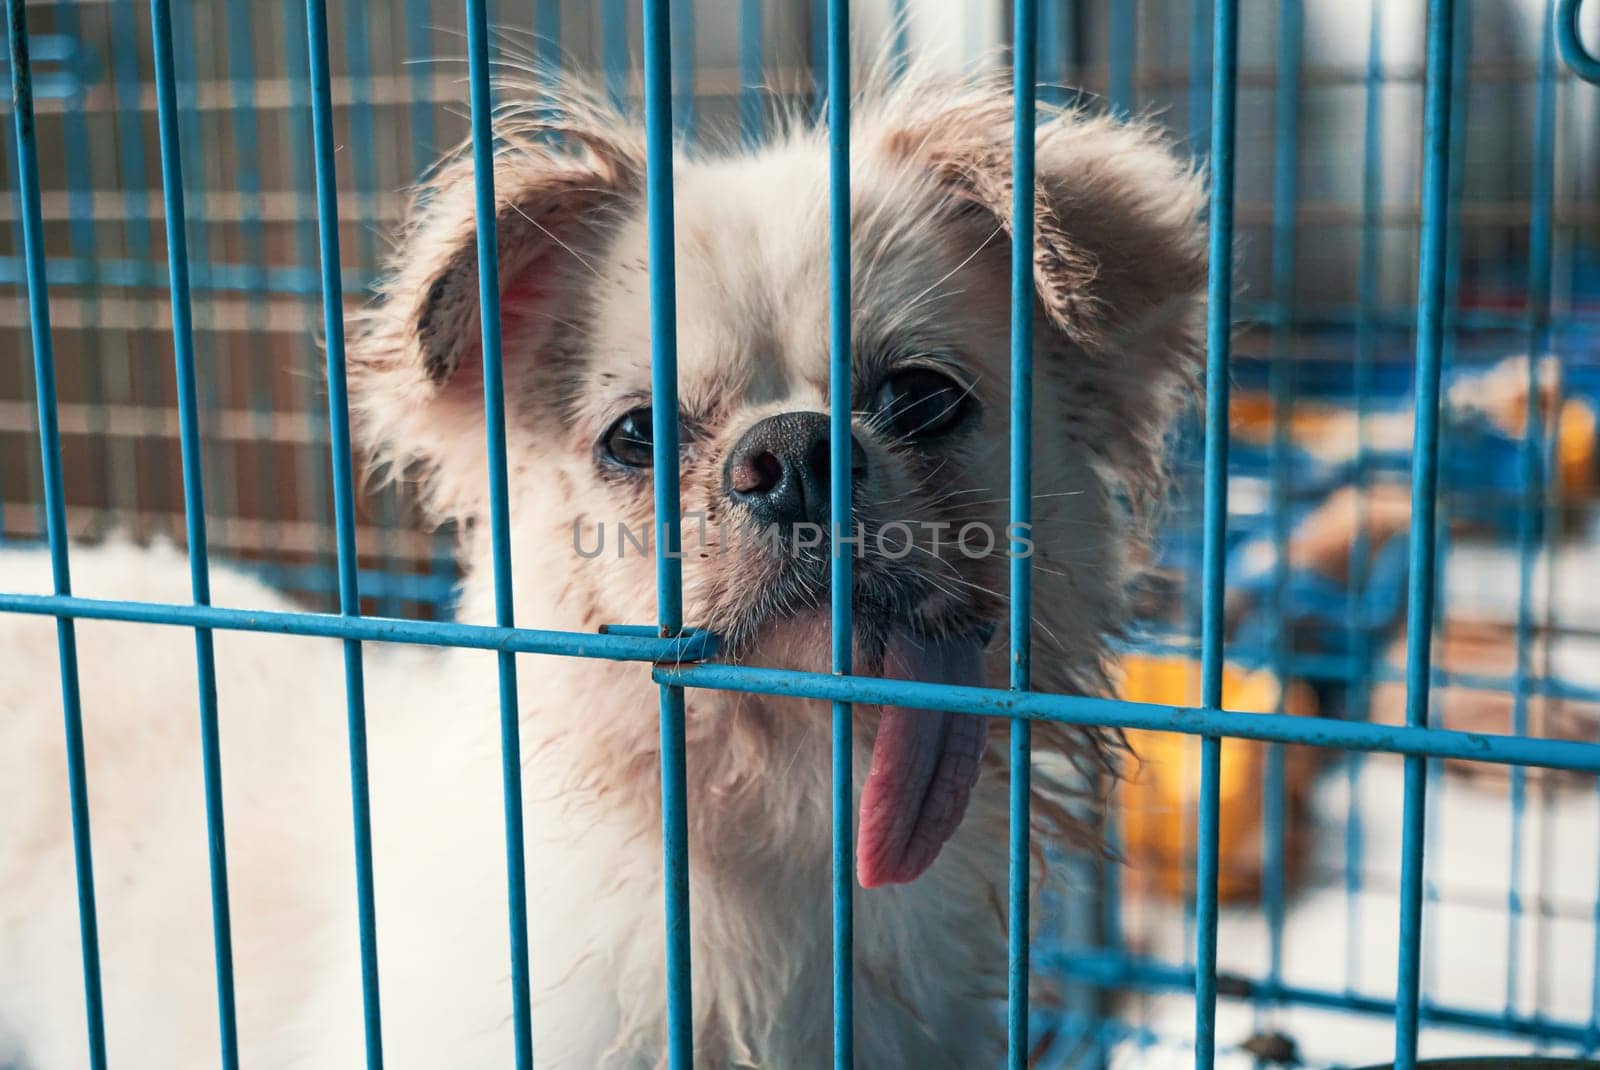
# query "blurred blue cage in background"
(1330, 202)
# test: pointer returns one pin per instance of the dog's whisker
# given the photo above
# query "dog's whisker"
(588, 265)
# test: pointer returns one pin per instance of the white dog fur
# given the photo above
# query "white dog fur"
(1120, 268)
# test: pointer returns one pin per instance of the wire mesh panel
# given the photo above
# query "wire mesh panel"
(1363, 694)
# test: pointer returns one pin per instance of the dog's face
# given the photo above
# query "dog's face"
(1119, 268)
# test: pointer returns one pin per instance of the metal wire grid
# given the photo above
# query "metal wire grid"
(252, 234)
(1530, 512)
(678, 653)
(255, 301)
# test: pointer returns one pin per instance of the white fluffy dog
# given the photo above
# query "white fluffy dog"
(1119, 272)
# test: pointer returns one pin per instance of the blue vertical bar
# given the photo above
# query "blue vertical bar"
(1189, 468)
(136, 199)
(1224, 85)
(547, 44)
(1285, 190)
(614, 47)
(81, 236)
(1052, 43)
(1024, 76)
(195, 518)
(191, 141)
(1124, 49)
(494, 418)
(241, 69)
(1360, 554)
(130, 142)
(1424, 479)
(683, 63)
(900, 43)
(1200, 77)
(1594, 983)
(419, 43)
(750, 74)
(1193, 471)
(819, 52)
(364, 160)
(1587, 66)
(1540, 240)
(213, 376)
(55, 510)
(344, 509)
(841, 452)
(313, 475)
(247, 145)
(1456, 169)
(669, 570)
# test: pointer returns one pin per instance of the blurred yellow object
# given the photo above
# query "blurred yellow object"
(1155, 806)
(1251, 418)
(1575, 437)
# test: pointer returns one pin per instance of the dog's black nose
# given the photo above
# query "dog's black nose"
(779, 469)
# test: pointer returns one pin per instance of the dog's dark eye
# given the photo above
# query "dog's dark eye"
(920, 403)
(630, 440)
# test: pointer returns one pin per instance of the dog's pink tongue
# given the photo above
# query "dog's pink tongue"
(924, 765)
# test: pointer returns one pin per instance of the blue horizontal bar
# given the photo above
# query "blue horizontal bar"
(437, 591)
(692, 646)
(646, 631)
(243, 278)
(1081, 709)
(46, 48)
(1349, 668)
(425, 589)
(1259, 313)
(304, 282)
(1113, 970)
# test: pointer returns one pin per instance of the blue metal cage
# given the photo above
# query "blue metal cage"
(184, 385)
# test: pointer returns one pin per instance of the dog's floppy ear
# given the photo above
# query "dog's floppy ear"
(1119, 250)
(562, 176)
